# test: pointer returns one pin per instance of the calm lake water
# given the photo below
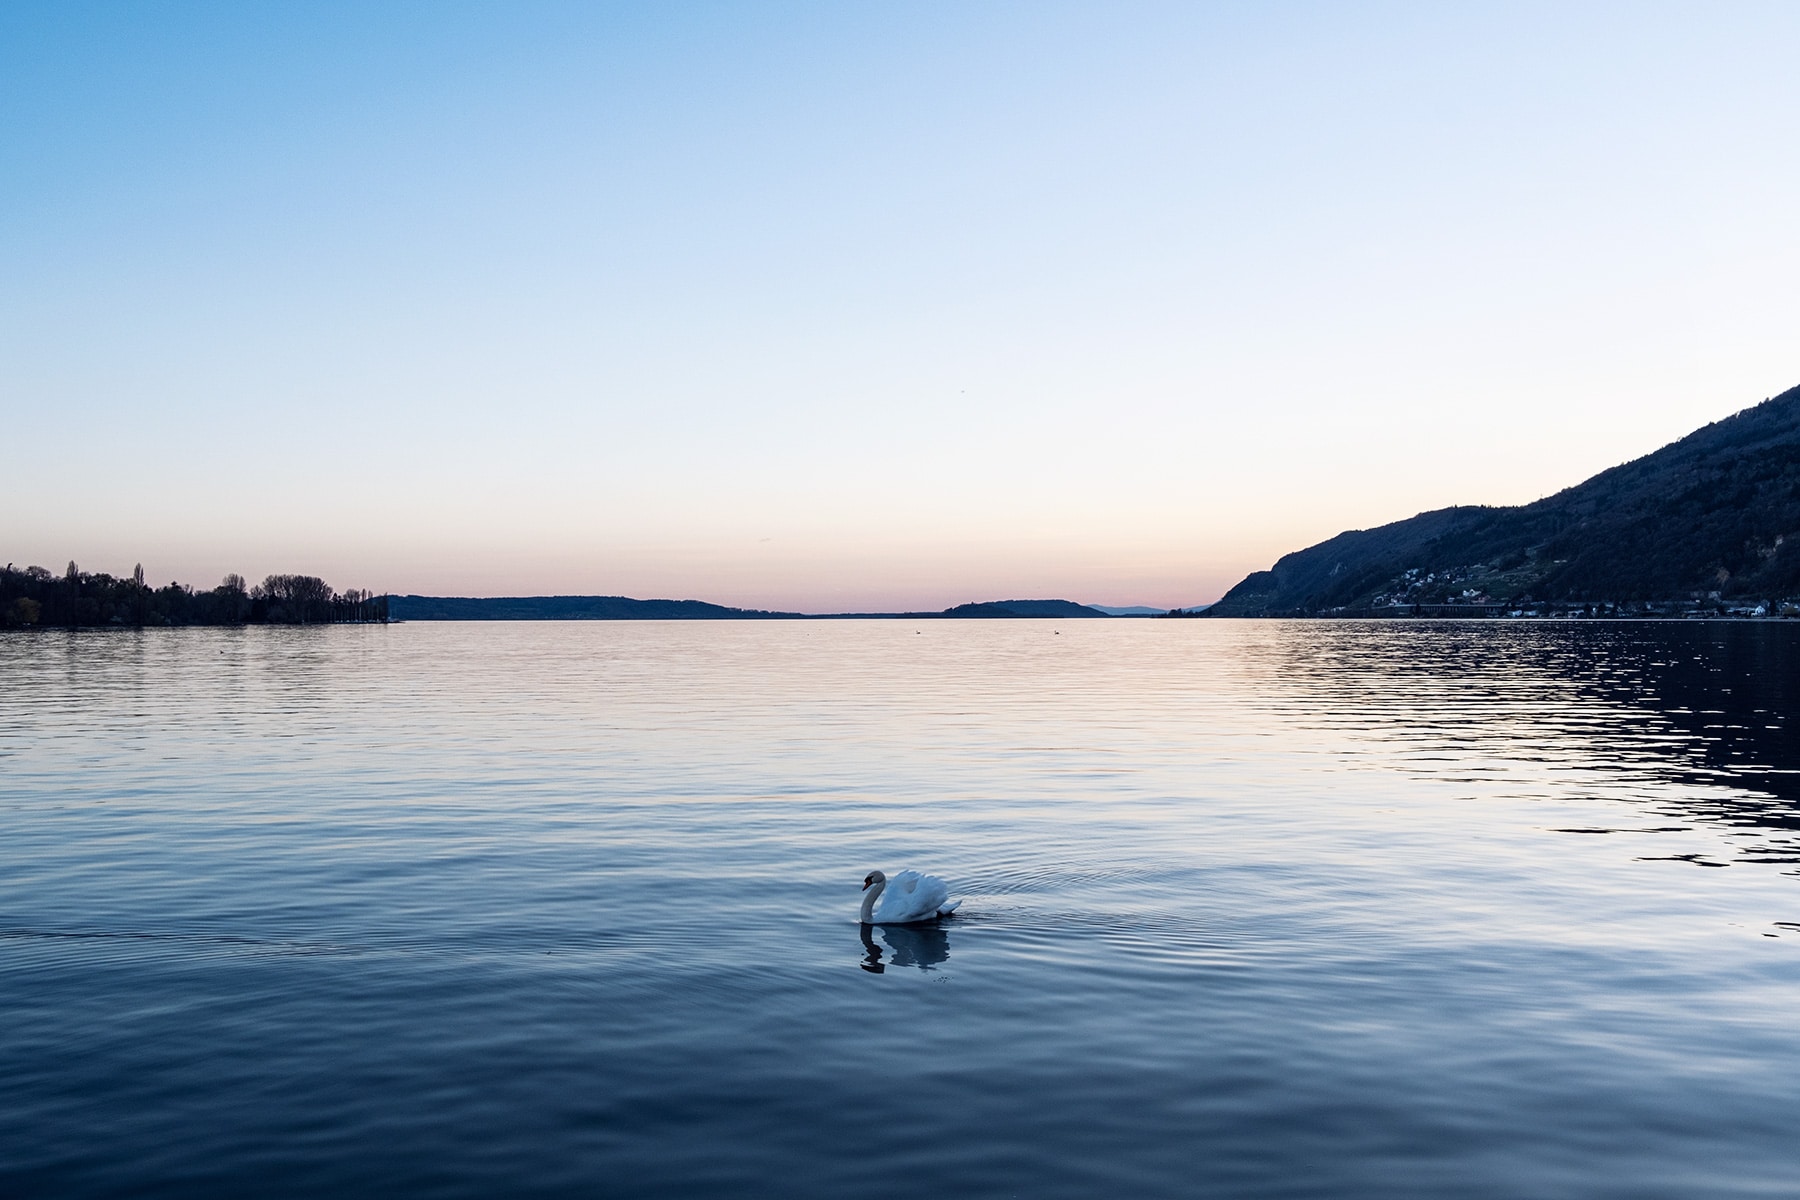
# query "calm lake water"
(1251, 909)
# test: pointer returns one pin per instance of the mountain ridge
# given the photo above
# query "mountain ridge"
(1713, 515)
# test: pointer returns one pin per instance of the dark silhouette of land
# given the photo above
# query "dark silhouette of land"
(76, 598)
(623, 608)
(35, 596)
(568, 608)
(1708, 523)
(1037, 609)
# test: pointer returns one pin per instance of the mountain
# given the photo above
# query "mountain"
(1716, 514)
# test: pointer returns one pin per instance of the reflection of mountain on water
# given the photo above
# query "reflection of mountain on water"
(922, 946)
(1700, 702)
(1732, 687)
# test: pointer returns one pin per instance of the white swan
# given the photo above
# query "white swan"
(907, 898)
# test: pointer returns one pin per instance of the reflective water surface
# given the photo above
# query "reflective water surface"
(1250, 909)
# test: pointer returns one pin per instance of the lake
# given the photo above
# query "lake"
(1250, 909)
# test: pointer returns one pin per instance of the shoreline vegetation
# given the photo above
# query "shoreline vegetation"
(77, 599)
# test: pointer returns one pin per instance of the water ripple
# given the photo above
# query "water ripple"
(1253, 909)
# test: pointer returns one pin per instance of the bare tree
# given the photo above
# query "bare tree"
(298, 595)
(234, 598)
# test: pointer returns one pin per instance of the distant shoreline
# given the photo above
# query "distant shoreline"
(36, 597)
(1788, 620)
(625, 608)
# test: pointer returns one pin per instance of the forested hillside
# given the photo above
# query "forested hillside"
(1715, 515)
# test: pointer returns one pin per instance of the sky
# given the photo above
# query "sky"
(828, 307)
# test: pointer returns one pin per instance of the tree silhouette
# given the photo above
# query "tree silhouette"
(33, 596)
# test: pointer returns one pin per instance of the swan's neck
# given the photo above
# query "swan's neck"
(869, 898)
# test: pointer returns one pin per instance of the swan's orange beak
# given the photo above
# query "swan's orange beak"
(865, 886)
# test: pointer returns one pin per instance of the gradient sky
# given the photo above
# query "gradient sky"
(863, 306)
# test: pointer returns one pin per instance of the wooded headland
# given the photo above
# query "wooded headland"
(76, 598)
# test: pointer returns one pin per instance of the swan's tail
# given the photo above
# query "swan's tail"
(945, 910)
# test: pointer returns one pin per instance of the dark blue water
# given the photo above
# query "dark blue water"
(1250, 909)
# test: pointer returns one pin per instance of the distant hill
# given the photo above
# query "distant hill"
(566, 608)
(623, 608)
(1717, 512)
(1023, 608)
(1141, 610)
(982, 610)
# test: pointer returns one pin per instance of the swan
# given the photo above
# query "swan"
(907, 898)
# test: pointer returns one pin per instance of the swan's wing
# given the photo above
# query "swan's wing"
(911, 896)
(900, 898)
(933, 894)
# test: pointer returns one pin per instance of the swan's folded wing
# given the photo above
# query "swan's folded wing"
(910, 896)
(896, 899)
(930, 897)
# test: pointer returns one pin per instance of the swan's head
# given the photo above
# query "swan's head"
(873, 878)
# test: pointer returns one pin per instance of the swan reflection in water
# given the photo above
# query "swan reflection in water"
(922, 946)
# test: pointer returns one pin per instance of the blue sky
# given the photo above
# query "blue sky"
(834, 306)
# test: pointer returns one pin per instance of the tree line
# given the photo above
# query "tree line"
(76, 598)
